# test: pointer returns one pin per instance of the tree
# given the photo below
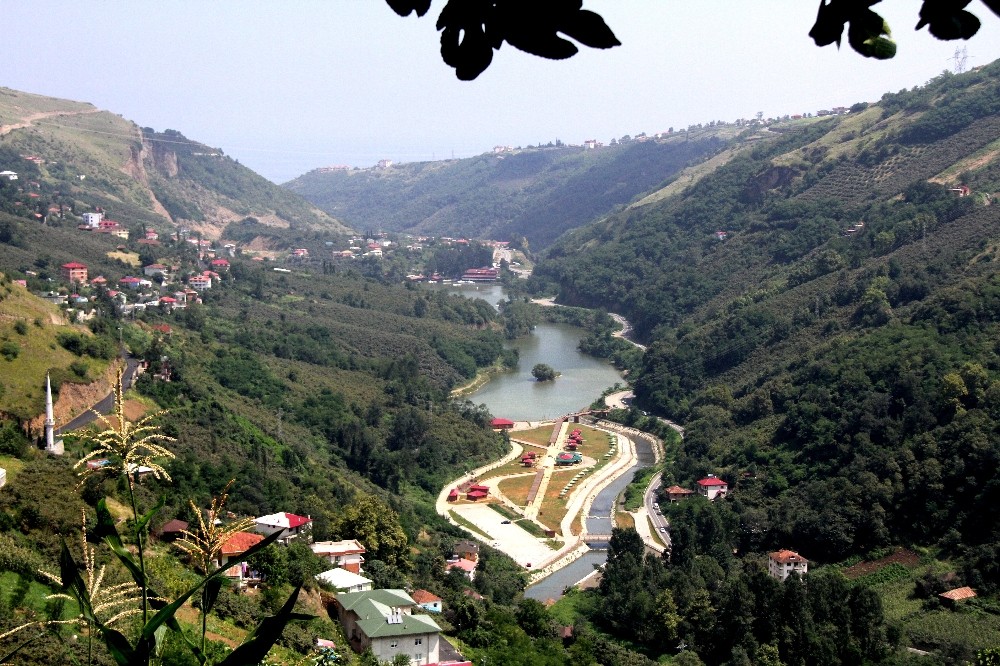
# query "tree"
(374, 524)
(471, 31)
(543, 372)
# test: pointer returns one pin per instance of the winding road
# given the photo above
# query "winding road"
(105, 405)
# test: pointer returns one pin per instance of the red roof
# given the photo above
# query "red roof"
(786, 556)
(241, 542)
(73, 264)
(168, 299)
(958, 594)
(424, 597)
(481, 487)
(712, 481)
(499, 423)
(476, 494)
(174, 526)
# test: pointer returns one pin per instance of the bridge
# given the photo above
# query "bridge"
(596, 538)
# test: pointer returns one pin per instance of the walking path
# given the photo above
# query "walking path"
(27, 121)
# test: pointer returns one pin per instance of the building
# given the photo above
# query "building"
(782, 563)
(200, 282)
(343, 580)
(156, 269)
(171, 530)
(477, 492)
(383, 620)
(348, 554)
(467, 567)
(429, 602)
(951, 597)
(466, 548)
(290, 526)
(501, 424)
(9, 175)
(236, 545)
(712, 487)
(74, 272)
(676, 493)
(53, 444)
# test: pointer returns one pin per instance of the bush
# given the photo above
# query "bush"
(10, 350)
(543, 372)
(20, 327)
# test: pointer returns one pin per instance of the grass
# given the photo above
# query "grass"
(504, 511)
(34, 596)
(23, 380)
(531, 527)
(513, 467)
(516, 489)
(654, 532)
(575, 605)
(130, 258)
(12, 465)
(468, 525)
(539, 436)
(625, 520)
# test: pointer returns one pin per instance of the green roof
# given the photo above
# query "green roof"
(374, 607)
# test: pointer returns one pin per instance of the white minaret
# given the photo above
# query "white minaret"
(52, 445)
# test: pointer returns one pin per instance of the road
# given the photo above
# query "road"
(660, 523)
(105, 404)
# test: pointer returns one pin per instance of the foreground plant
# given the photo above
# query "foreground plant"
(130, 446)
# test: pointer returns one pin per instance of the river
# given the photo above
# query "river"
(516, 395)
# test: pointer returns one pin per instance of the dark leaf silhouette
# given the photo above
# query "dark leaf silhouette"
(404, 7)
(464, 44)
(994, 5)
(948, 20)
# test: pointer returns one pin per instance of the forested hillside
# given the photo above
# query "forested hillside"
(832, 353)
(535, 193)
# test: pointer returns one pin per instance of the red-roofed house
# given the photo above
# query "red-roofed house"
(712, 487)
(290, 526)
(782, 563)
(502, 424)
(467, 567)
(200, 282)
(237, 544)
(348, 554)
(427, 601)
(453, 495)
(675, 493)
(958, 594)
(220, 264)
(74, 272)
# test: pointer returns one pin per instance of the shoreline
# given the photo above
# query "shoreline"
(483, 377)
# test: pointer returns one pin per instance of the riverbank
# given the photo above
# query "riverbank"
(483, 377)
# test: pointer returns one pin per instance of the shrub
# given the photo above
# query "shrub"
(20, 327)
(10, 350)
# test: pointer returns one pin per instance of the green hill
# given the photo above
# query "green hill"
(83, 158)
(535, 193)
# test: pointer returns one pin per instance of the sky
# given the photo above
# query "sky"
(289, 86)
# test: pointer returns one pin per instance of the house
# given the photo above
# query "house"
(348, 554)
(951, 597)
(290, 526)
(383, 620)
(712, 487)
(429, 602)
(220, 264)
(782, 563)
(9, 175)
(236, 545)
(676, 493)
(74, 272)
(172, 530)
(467, 567)
(477, 492)
(92, 220)
(156, 269)
(466, 548)
(453, 495)
(200, 282)
(501, 424)
(343, 580)
(130, 282)
(481, 274)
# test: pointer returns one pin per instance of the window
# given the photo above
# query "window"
(393, 643)
(418, 641)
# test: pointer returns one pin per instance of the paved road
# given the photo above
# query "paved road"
(105, 405)
(660, 523)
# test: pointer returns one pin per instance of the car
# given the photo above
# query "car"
(505, 522)
(663, 529)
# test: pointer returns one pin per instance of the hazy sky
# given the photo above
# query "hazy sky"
(286, 86)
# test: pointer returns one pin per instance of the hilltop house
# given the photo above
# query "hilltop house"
(712, 487)
(428, 601)
(383, 620)
(348, 554)
(235, 546)
(74, 272)
(343, 580)
(290, 526)
(782, 563)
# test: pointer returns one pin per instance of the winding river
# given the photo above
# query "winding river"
(517, 396)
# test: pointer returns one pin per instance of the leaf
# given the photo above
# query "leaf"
(404, 7)
(589, 29)
(119, 647)
(106, 529)
(464, 41)
(829, 26)
(259, 642)
(144, 521)
(211, 593)
(994, 6)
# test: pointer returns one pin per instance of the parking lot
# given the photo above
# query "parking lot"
(510, 538)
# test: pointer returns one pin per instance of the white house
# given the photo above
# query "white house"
(383, 620)
(782, 563)
(9, 175)
(348, 554)
(347, 581)
(428, 601)
(93, 220)
(290, 526)
(712, 487)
